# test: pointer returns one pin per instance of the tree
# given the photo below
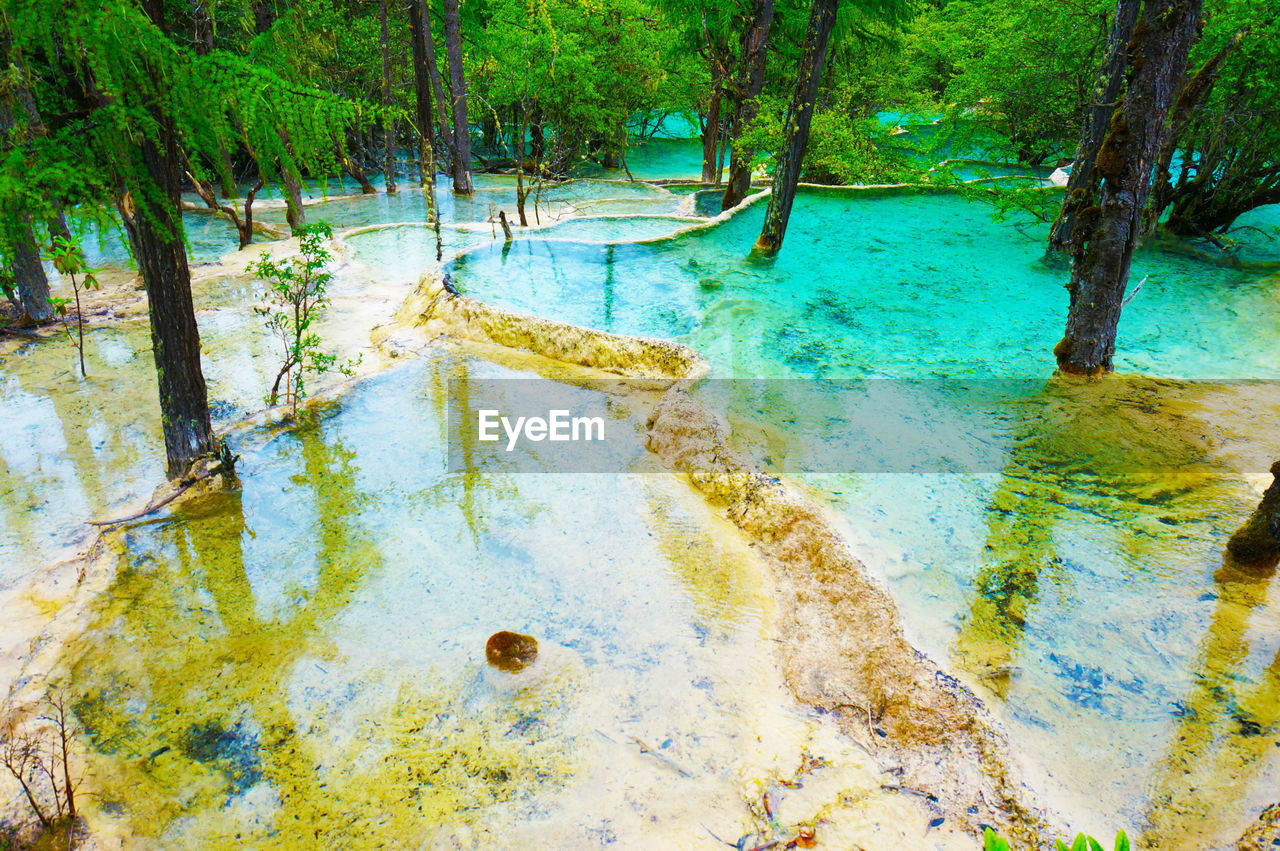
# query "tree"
(1105, 93)
(461, 163)
(796, 134)
(1108, 226)
(420, 43)
(128, 101)
(746, 92)
(388, 123)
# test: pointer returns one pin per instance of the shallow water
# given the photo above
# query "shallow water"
(1076, 580)
(301, 661)
(1091, 607)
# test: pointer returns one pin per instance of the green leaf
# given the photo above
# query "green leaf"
(1122, 842)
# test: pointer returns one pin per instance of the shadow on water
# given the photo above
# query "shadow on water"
(1097, 563)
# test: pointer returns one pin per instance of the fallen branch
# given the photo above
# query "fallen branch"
(152, 508)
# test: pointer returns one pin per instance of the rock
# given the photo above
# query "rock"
(1059, 177)
(510, 651)
(1256, 544)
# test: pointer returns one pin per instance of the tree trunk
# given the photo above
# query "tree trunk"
(1196, 90)
(294, 212)
(264, 15)
(28, 272)
(458, 85)
(156, 235)
(755, 43)
(350, 167)
(388, 124)
(521, 126)
(203, 26)
(1110, 82)
(796, 133)
(437, 89)
(418, 38)
(1257, 542)
(711, 139)
(1109, 224)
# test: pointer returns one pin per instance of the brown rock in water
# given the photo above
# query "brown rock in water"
(1257, 543)
(510, 651)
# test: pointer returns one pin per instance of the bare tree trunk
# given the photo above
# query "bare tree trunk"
(388, 124)
(1110, 82)
(458, 85)
(1109, 224)
(711, 138)
(796, 132)
(24, 260)
(521, 126)
(755, 43)
(422, 89)
(156, 234)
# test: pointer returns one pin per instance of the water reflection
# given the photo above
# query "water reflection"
(1221, 756)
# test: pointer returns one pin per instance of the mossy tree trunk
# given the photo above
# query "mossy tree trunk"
(755, 44)
(458, 84)
(1110, 220)
(418, 37)
(388, 124)
(155, 231)
(1257, 542)
(1110, 82)
(796, 133)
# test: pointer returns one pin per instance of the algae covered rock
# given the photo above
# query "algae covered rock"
(510, 651)
(1257, 542)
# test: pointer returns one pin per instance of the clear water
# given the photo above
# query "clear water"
(301, 662)
(1088, 606)
(1138, 679)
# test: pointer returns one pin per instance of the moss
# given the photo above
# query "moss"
(1257, 542)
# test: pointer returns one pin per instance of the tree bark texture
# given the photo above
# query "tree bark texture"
(156, 234)
(1108, 226)
(796, 133)
(422, 89)
(388, 124)
(755, 44)
(458, 84)
(1110, 82)
(711, 139)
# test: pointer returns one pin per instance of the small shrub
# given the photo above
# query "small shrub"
(297, 296)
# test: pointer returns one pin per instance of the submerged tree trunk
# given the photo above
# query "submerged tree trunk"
(711, 139)
(350, 167)
(458, 83)
(156, 234)
(28, 272)
(1108, 226)
(388, 124)
(755, 43)
(1110, 82)
(796, 133)
(1257, 542)
(418, 38)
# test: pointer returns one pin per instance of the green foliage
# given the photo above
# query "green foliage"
(68, 259)
(297, 296)
(1082, 842)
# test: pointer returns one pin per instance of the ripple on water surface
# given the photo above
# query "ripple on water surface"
(303, 660)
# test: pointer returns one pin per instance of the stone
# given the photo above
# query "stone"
(510, 651)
